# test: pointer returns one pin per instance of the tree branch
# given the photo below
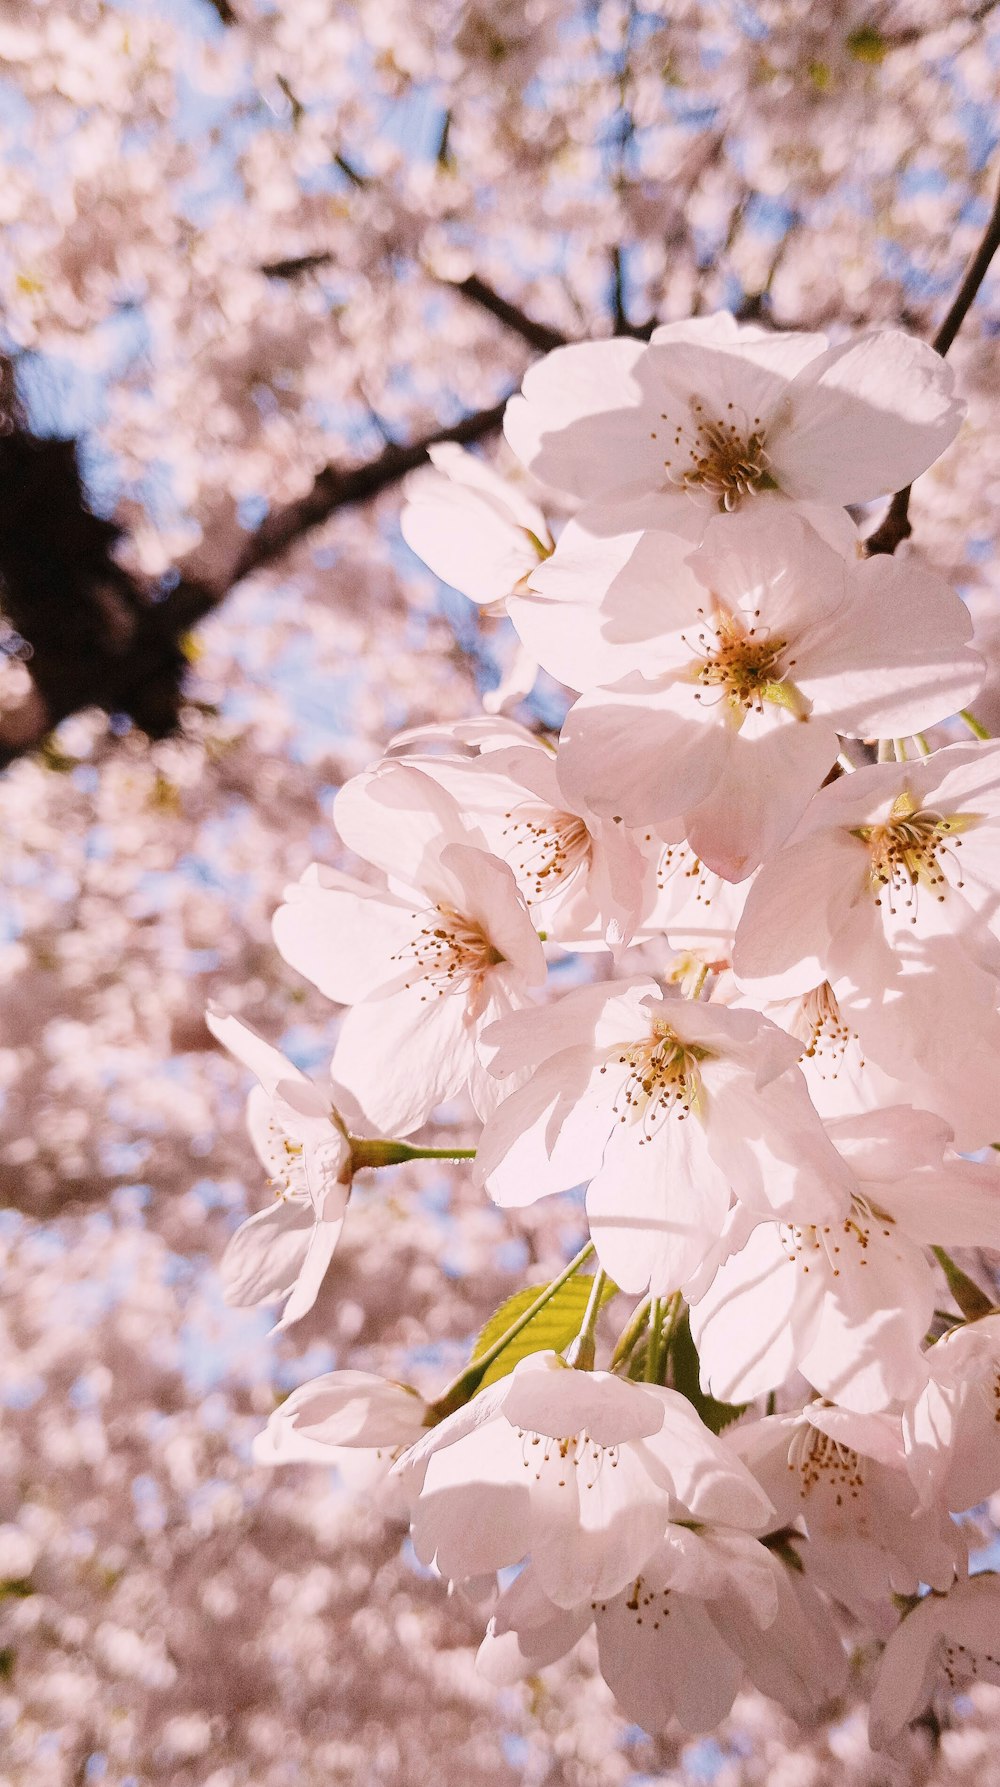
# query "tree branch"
(97, 637)
(896, 525)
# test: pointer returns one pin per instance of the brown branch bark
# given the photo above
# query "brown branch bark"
(896, 527)
(97, 638)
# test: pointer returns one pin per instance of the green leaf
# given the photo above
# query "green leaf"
(550, 1330)
(8, 1656)
(685, 1374)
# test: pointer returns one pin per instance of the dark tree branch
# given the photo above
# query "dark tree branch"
(337, 487)
(97, 638)
(895, 528)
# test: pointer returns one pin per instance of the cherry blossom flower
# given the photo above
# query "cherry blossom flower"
(581, 876)
(952, 1431)
(754, 664)
(443, 950)
(885, 892)
(668, 1107)
(583, 1470)
(848, 1303)
(840, 1477)
(285, 1250)
(352, 1419)
(712, 411)
(947, 1642)
(476, 530)
(662, 1650)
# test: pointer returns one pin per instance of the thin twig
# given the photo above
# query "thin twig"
(896, 525)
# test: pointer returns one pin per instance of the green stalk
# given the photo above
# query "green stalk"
(653, 1348)
(465, 1385)
(583, 1349)
(630, 1334)
(368, 1152)
(975, 726)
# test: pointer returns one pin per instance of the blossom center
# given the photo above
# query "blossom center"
(911, 849)
(286, 1158)
(548, 850)
(743, 661)
(820, 1025)
(451, 953)
(722, 455)
(824, 1462)
(575, 1452)
(663, 1078)
(832, 1241)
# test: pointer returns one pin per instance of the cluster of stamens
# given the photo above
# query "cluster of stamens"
(663, 1079)
(822, 1028)
(548, 851)
(722, 455)
(802, 1245)
(818, 1459)
(680, 859)
(743, 661)
(960, 1664)
(286, 1157)
(910, 851)
(577, 1452)
(450, 953)
(645, 1603)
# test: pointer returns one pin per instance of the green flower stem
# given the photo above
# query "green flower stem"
(630, 1334)
(468, 1381)
(974, 725)
(583, 1349)
(656, 1312)
(970, 1299)
(372, 1153)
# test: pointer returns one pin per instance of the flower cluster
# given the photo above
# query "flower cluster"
(772, 1072)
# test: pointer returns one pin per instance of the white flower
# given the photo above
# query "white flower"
(952, 1432)
(475, 529)
(581, 876)
(840, 1478)
(582, 1469)
(711, 412)
(662, 1651)
(887, 890)
(427, 962)
(947, 1642)
(351, 1419)
(849, 1303)
(285, 1250)
(668, 1107)
(744, 668)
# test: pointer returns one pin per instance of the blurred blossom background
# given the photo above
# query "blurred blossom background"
(254, 254)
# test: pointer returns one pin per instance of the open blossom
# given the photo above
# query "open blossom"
(946, 1643)
(425, 963)
(952, 1431)
(668, 1107)
(284, 1251)
(840, 1478)
(712, 411)
(849, 1304)
(886, 892)
(747, 665)
(708, 1606)
(580, 875)
(584, 1470)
